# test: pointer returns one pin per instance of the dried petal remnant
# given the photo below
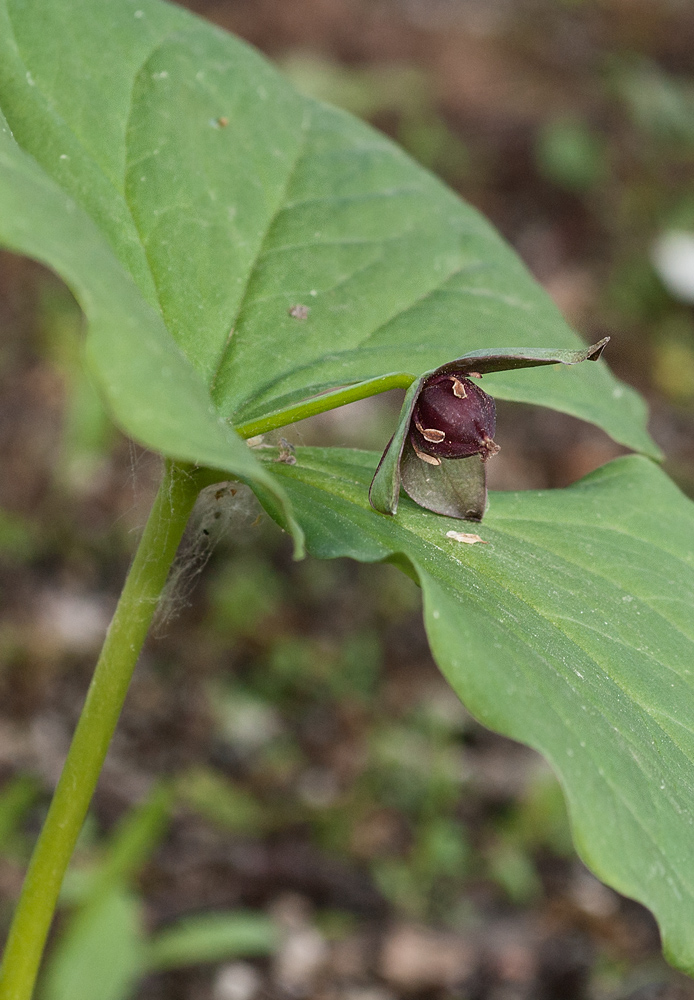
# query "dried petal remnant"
(463, 536)
(453, 418)
(430, 434)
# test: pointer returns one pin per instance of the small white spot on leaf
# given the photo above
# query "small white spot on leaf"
(299, 311)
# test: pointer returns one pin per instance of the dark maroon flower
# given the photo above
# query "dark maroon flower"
(445, 416)
(453, 418)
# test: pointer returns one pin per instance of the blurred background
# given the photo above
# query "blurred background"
(295, 805)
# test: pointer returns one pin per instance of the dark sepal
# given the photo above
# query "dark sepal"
(385, 485)
(507, 359)
(455, 487)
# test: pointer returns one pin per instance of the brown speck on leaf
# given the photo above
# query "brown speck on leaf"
(299, 312)
(222, 121)
(224, 491)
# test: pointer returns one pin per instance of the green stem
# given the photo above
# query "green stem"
(124, 640)
(328, 401)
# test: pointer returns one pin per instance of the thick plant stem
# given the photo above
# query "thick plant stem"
(124, 640)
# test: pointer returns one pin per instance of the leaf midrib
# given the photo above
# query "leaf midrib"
(127, 166)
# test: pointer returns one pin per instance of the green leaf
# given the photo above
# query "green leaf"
(191, 198)
(494, 360)
(153, 390)
(212, 937)
(220, 801)
(570, 630)
(134, 840)
(100, 956)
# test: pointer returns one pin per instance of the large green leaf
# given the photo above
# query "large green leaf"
(572, 630)
(153, 390)
(191, 198)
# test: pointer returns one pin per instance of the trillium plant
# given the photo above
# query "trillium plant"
(246, 257)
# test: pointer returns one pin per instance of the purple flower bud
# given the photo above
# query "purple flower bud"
(453, 418)
(446, 416)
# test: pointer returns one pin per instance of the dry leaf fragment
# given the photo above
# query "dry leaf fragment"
(286, 452)
(462, 536)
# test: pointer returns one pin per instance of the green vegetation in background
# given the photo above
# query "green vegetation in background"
(16, 798)
(103, 949)
(661, 105)
(376, 92)
(18, 537)
(571, 155)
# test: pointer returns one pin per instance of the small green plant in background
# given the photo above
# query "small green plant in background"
(246, 257)
(103, 949)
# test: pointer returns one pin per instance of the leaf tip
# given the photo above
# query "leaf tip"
(299, 551)
(596, 350)
(379, 506)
